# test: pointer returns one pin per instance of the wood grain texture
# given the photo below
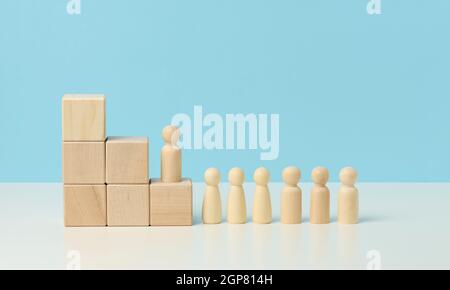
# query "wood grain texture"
(128, 205)
(320, 205)
(236, 204)
(83, 118)
(84, 162)
(171, 156)
(320, 197)
(171, 203)
(212, 203)
(262, 204)
(85, 205)
(348, 197)
(291, 196)
(127, 160)
(291, 205)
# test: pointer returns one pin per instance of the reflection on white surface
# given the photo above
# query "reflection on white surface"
(238, 246)
(263, 246)
(349, 254)
(33, 236)
(132, 247)
(214, 239)
(222, 246)
(292, 247)
(320, 246)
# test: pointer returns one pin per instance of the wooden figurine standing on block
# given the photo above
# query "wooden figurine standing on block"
(212, 205)
(348, 204)
(237, 209)
(171, 155)
(262, 206)
(291, 197)
(171, 197)
(320, 197)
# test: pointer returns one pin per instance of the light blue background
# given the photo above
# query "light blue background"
(351, 89)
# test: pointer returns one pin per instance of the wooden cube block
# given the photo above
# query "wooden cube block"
(129, 205)
(85, 205)
(171, 203)
(127, 160)
(84, 162)
(83, 118)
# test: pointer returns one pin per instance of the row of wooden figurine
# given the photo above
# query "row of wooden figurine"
(291, 197)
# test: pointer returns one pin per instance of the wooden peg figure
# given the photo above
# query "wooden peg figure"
(237, 209)
(291, 197)
(348, 199)
(171, 155)
(320, 197)
(262, 207)
(212, 205)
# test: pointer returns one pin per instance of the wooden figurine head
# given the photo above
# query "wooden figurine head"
(320, 176)
(236, 177)
(348, 176)
(171, 135)
(262, 176)
(212, 177)
(292, 176)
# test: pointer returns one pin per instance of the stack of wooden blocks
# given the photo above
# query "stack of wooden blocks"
(106, 180)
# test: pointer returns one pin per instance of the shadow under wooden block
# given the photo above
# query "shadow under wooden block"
(171, 203)
(85, 205)
(127, 160)
(128, 205)
(83, 118)
(84, 162)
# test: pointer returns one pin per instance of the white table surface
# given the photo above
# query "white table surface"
(404, 226)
